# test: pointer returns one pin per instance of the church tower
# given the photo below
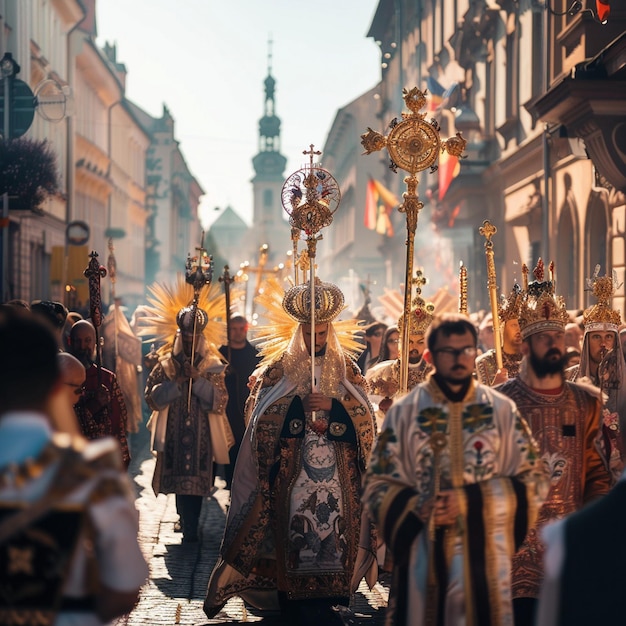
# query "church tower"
(269, 225)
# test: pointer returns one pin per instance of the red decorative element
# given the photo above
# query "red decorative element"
(319, 426)
(603, 9)
(478, 445)
(546, 310)
(539, 271)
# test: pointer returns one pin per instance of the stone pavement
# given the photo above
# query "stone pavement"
(179, 573)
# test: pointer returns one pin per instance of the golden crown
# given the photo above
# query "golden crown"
(329, 302)
(420, 317)
(185, 319)
(509, 306)
(601, 316)
(541, 309)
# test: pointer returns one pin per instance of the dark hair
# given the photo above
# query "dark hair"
(372, 328)
(238, 318)
(449, 324)
(54, 312)
(383, 355)
(29, 368)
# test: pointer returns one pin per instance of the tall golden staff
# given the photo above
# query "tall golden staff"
(462, 289)
(413, 145)
(488, 230)
(198, 274)
(311, 196)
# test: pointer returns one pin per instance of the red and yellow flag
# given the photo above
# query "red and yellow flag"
(379, 203)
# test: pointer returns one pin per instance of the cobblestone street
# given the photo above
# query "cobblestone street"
(179, 573)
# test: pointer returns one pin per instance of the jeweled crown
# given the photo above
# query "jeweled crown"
(420, 317)
(509, 306)
(541, 309)
(329, 302)
(601, 316)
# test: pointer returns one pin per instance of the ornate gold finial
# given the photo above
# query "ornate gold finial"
(488, 230)
(462, 289)
(422, 313)
(601, 316)
(524, 277)
(413, 145)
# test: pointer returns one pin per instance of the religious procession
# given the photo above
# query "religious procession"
(218, 434)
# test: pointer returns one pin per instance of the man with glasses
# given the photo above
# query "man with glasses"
(564, 419)
(453, 473)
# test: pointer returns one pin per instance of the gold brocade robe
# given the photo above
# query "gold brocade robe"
(565, 427)
(271, 537)
(487, 368)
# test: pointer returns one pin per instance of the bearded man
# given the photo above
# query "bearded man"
(564, 419)
(100, 409)
(295, 538)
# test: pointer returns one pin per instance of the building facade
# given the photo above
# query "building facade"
(121, 172)
(536, 88)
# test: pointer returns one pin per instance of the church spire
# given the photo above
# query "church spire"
(269, 160)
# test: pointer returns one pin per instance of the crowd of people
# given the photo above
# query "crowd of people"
(479, 490)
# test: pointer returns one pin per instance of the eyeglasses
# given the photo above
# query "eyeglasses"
(456, 353)
(78, 389)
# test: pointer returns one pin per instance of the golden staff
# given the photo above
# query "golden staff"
(198, 274)
(112, 269)
(488, 230)
(462, 289)
(321, 196)
(413, 145)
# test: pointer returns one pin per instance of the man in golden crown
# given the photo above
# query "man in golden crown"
(295, 538)
(602, 364)
(564, 419)
(384, 378)
(187, 394)
(487, 371)
(453, 472)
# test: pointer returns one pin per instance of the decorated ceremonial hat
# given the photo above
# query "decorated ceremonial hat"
(329, 302)
(509, 306)
(541, 309)
(601, 316)
(184, 319)
(420, 316)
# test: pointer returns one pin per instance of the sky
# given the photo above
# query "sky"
(207, 61)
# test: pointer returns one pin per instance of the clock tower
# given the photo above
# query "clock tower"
(269, 225)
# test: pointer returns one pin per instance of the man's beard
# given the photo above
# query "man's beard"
(546, 366)
(85, 357)
(414, 357)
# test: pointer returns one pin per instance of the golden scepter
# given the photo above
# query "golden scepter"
(462, 289)
(198, 274)
(311, 196)
(488, 230)
(413, 145)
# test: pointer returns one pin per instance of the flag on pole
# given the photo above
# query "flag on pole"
(436, 94)
(449, 168)
(379, 203)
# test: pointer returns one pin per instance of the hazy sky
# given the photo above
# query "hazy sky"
(207, 60)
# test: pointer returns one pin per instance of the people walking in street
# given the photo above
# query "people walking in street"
(101, 408)
(243, 358)
(295, 538)
(69, 551)
(487, 371)
(603, 365)
(564, 418)
(453, 484)
(187, 394)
